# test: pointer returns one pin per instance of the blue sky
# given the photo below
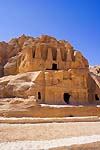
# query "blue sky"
(77, 21)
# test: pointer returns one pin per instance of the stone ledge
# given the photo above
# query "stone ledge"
(49, 120)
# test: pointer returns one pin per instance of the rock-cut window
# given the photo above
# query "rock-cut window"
(39, 95)
(96, 97)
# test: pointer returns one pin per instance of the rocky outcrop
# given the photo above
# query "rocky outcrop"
(3, 56)
(51, 70)
(95, 70)
(95, 73)
(21, 85)
(10, 55)
(30, 54)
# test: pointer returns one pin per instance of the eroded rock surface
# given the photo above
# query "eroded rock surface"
(51, 70)
(30, 54)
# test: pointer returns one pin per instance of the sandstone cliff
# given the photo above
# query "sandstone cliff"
(17, 55)
(51, 70)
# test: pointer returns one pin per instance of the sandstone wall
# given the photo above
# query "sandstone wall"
(44, 58)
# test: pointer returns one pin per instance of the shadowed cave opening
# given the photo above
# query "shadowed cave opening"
(66, 97)
(54, 66)
(39, 95)
(97, 97)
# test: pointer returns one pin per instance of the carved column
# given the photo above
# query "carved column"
(38, 52)
(69, 57)
(59, 55)
(49, 55)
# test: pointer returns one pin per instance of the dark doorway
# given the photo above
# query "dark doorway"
(54, 66)
(96, 97)
(39, 95)
(66, 97)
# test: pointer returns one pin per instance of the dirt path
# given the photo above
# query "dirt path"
(47, 131)
(52, 144)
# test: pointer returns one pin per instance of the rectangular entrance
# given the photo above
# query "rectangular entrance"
(66, 98)
(54, 66)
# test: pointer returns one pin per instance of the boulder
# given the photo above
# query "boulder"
(20, 85)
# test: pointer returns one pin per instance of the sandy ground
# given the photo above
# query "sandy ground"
(50, 144)
(47, 131)
(83, 132)
(89, 146)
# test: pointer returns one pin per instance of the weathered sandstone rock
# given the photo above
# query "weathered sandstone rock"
(95, 69)
(39, 53)
(50, 70)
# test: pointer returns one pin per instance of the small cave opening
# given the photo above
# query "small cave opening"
(54, 66)
(39, 95)
(66, 97)
(97, 97)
